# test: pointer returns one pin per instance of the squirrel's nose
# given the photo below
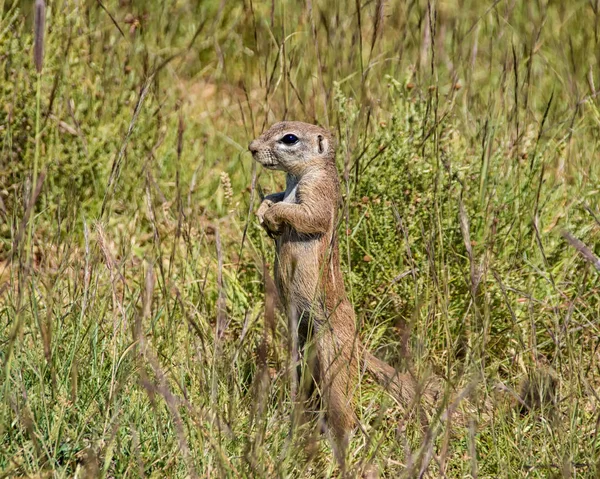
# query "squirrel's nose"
(253, 146)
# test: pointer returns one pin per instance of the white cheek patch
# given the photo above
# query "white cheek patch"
(287, 148)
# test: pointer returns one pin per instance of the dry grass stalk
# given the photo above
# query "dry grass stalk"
(162, 385)
(586, 252)
(38, 33)
(115, 275)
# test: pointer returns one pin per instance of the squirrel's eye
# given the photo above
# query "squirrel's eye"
(289, 139)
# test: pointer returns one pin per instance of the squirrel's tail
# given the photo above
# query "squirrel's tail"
(404, 387)
(410, 392)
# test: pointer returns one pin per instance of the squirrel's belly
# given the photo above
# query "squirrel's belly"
(297, 269)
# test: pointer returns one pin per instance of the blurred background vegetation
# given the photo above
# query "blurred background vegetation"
(134, 339)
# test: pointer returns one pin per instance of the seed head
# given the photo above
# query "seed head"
(38, 34)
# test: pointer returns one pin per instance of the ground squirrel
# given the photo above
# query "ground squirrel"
(303, 221)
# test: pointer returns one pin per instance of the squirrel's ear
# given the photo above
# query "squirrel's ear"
(322, 142)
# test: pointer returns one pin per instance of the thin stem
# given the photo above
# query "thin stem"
(36, 158)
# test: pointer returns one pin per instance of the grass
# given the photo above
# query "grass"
(137, 330)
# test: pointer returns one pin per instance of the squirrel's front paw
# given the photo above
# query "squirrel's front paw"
(271, 221)
(262, 209)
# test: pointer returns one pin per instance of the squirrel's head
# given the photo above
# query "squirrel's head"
(294, 147)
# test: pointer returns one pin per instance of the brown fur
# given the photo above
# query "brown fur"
(309, 280)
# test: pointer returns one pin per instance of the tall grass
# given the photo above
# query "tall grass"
(139, 333)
